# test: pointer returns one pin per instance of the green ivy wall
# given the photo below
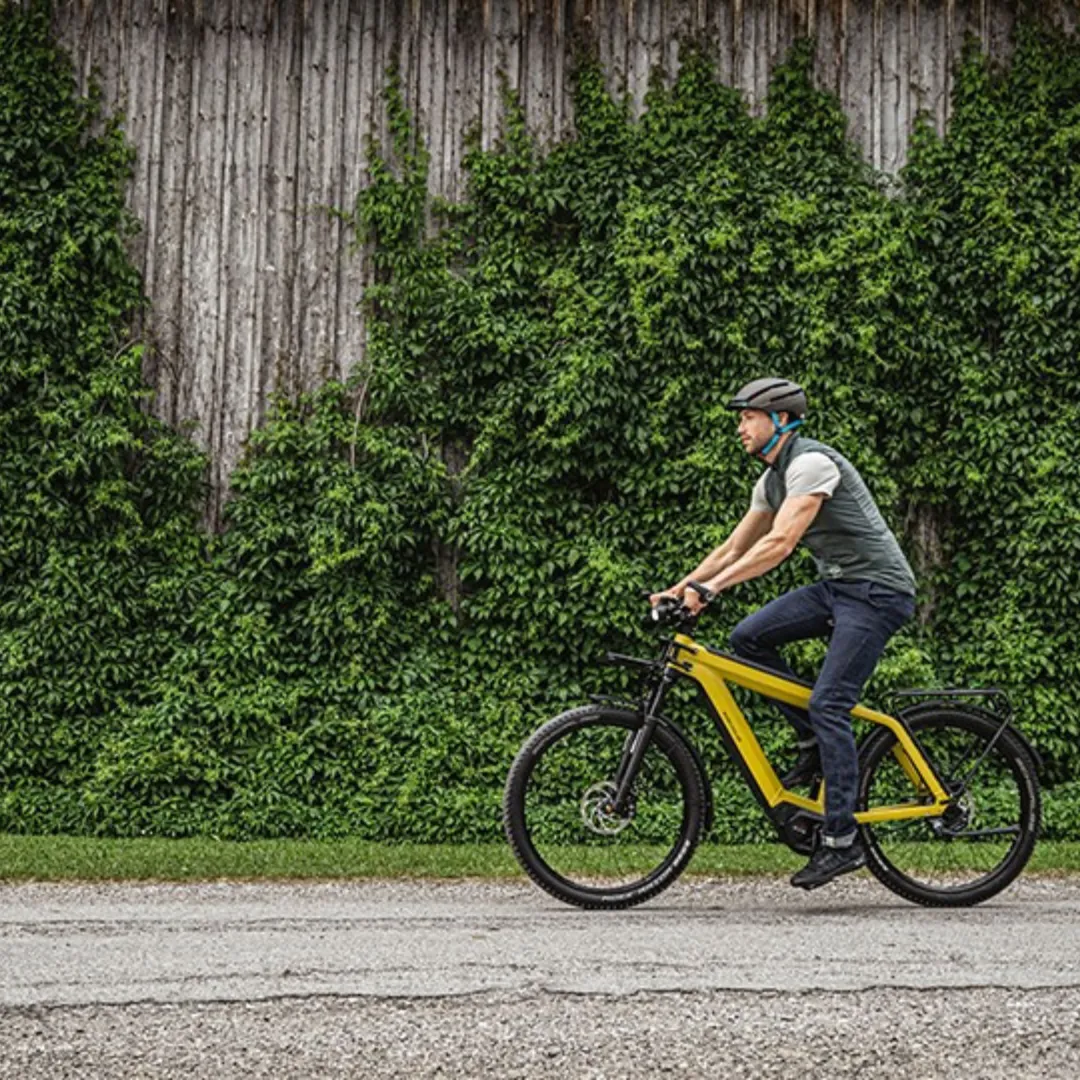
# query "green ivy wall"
(421, 564)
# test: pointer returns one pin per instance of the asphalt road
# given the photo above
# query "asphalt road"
(739, 978)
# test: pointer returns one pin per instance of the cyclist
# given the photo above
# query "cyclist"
(810, 492)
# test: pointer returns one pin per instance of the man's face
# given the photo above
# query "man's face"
(756, 429)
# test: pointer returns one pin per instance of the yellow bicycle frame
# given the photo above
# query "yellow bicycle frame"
(713, 671)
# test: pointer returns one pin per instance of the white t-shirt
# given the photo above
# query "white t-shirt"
(812, 473)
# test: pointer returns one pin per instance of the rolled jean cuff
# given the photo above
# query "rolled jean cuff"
(844, 841)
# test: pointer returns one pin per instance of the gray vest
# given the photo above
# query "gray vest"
(849, 538)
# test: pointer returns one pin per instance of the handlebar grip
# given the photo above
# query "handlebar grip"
(665, 610)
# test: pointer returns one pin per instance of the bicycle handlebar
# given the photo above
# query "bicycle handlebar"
(669, 611)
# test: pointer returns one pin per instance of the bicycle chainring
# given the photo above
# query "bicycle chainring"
(798, 829)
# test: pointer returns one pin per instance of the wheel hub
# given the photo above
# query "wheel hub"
(598, 810)
(958, 815)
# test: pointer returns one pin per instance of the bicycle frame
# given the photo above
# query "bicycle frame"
(583, 778)
(712, 671)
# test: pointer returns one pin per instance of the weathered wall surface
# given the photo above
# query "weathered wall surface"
(250, 118)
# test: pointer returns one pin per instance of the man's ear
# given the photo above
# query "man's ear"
(785, 418)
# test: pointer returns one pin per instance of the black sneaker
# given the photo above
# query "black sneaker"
(829, 862)
(806, 771)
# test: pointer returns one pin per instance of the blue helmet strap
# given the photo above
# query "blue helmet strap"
(778, 430)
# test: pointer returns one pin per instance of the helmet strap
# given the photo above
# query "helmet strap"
(778, 430)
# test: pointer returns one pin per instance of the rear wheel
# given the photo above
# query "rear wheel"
(561, 823)
(985, 838)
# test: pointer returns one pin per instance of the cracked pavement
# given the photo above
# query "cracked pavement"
(748, 976)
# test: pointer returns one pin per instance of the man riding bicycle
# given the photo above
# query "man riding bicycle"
(811, 493)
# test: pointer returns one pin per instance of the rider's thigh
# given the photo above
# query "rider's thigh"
(860, 633)
(795, 616)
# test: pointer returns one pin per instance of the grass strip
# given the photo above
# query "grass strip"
(69, 858)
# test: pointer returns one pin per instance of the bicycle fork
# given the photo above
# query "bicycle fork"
(637, 742)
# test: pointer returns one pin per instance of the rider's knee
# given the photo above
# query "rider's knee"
(830, 704)
(742, 640)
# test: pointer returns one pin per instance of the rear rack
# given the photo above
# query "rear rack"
(994, 697)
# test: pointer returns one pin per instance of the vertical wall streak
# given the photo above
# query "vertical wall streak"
(251, 118)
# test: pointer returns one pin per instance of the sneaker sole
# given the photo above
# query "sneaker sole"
(809, 885)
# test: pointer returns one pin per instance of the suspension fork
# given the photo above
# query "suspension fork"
(637, 742)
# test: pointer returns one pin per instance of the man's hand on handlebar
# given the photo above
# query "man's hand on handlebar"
(693, 602)
(690, 598)
(697, 596)
(674, 593)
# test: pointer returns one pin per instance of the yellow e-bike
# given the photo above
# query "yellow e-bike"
(948, 797)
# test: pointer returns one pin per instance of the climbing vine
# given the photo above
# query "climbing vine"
(419, 564)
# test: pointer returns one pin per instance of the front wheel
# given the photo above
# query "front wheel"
(986, 836)
(561, 823)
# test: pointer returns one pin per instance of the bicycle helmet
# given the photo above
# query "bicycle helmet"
(773, 396)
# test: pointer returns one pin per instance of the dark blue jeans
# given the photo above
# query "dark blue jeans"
(862, 616)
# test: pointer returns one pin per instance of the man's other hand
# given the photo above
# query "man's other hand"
(692, 602)
(674, 593)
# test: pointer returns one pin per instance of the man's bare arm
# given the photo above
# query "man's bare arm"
(792, 520)
(754, 525)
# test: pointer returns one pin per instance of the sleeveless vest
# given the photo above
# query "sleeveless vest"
(849, 538)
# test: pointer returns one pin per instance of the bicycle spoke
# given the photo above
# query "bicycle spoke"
(1008, 830)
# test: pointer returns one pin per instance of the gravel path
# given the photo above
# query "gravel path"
(985, 1034)
(741, 978)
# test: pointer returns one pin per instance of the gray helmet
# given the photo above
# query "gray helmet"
(771, 396)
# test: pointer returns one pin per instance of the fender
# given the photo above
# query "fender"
(904, 715)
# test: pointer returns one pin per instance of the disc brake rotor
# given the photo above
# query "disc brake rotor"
(598, 810)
